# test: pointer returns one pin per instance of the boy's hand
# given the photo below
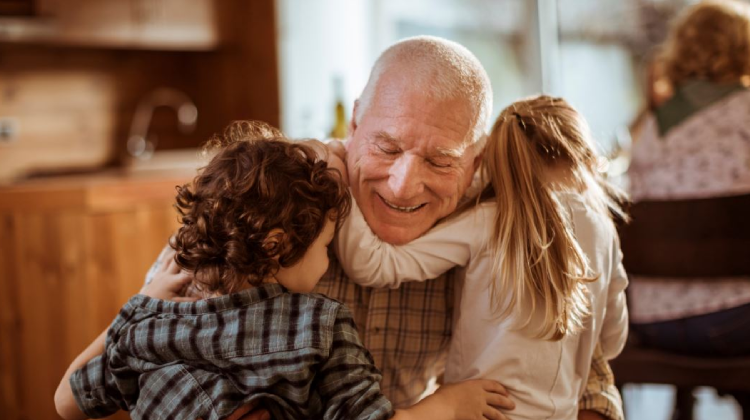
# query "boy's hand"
(332, 152)
(474, 399)
(337, 148)
(169, 281)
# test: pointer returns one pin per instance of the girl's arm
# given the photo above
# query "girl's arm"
(369, 261)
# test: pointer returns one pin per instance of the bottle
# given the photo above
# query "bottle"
(339, 127)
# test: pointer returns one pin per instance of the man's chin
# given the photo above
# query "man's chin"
(398, 235)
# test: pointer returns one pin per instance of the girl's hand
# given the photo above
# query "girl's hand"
(476, 399)
(169, 282)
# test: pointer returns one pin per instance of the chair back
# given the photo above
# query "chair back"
(688, 238)
(703, 238)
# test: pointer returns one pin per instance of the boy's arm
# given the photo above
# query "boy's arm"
(65, 402)
(349, 382)
(167, 284)
(369, 261)
(332, 152)
(478, 399)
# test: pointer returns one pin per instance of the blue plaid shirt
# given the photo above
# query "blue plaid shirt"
(298, 355)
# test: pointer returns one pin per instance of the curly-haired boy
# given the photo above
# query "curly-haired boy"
(256, 223)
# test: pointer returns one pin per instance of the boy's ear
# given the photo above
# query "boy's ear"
(272, 244)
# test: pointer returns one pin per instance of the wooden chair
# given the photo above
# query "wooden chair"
(700, 238)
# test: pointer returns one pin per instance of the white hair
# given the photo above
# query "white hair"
(440, 69)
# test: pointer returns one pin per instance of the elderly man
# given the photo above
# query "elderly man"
(414, 145)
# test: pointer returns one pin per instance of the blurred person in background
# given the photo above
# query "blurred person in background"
(696, 144)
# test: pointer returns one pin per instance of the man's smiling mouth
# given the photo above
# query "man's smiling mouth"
(402, 209)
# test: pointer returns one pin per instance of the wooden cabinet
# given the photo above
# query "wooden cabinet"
(72, 252)
(16, 7)
(176, 23)
(137, 24)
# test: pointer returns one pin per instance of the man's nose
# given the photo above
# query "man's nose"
(405, 177)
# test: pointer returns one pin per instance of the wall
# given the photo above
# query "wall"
(72, 106)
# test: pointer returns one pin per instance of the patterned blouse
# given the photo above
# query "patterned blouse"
(706, 155)
(297, 355)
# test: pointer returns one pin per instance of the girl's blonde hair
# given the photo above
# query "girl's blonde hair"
(538, 265)
(709, 40)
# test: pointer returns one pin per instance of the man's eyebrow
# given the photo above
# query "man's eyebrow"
(382, 135)
(453, 153)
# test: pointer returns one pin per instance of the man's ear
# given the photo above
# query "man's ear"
(479, 152)
(478, 160)
(273, 243)
(352, 123)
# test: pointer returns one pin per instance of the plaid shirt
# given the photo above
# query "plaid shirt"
(408, 330)
(299, 355)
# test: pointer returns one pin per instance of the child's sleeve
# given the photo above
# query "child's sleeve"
(349, 381)
(97, 391)
(94, 389)
(615, 326)
(369, 261)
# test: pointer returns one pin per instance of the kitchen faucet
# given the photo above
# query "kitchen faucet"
(140, 144)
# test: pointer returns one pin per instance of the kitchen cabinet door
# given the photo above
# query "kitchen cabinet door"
(69, 259)
(94, 22)
(175, 24)
(128, 24)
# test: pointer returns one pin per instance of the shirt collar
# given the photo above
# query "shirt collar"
(240, 299)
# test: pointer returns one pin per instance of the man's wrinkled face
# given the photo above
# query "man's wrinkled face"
(410, 160)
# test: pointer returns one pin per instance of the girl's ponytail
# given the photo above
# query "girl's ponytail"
(538, 266)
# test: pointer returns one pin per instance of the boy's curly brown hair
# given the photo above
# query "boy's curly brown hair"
(257, 182)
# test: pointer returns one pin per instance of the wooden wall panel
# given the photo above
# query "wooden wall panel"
(70, 258)
(63, 278)
(10, 322)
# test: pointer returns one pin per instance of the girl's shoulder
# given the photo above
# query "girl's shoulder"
(586, 215)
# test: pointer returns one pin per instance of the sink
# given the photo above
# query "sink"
(169, 160)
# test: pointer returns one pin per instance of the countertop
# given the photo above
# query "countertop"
(99, 191)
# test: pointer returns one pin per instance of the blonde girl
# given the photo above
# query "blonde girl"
(541, 281)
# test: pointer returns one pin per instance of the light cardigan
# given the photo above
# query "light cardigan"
(545, 378)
